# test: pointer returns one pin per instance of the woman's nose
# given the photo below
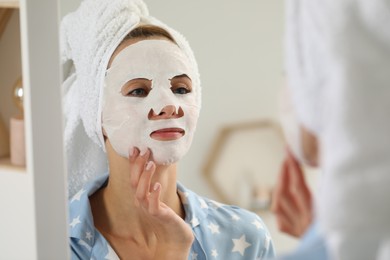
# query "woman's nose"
(168, 112)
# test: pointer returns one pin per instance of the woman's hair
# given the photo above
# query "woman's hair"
(144, 32)
(148, 31)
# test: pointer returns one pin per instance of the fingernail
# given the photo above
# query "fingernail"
(149, 165)
(131, 151)
(156, 186)
(144, 152)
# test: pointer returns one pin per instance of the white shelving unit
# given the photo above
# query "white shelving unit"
(33, 222)
(7, 168)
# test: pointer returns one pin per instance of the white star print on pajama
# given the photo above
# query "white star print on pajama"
(235, 217)
(240, 245)
(216, 204)
(194, 222)
(88, 235)
(203, 204)
(214, 228)
(257, 224)
(221, 231)
(75, 221)
(77, 196)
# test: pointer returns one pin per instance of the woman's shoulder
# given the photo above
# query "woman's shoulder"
(239, 233)
(82, 233)
(245, 231)
(235, 217)
(223, 218)
(218, 211)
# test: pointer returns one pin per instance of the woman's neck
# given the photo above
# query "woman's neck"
(115, 209)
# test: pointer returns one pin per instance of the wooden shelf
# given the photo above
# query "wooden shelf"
(7, 167)
(5, 15)
(9, 4)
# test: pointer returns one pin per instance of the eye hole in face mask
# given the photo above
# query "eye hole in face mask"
(181, 85)
(137, 88)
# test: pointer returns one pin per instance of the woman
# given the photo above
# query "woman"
(146, 106)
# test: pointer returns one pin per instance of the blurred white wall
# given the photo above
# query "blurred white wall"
(67, 6)
(239, 48)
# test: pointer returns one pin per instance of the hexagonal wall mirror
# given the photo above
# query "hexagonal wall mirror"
(244, 162)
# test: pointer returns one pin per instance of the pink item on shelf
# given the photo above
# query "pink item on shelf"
(4, 140)
(18, 150)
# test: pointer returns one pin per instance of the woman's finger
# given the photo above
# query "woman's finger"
(281, 187)
(289, 208)
(283, 202)
(299, 190)
(285, 224)
(298, 177)
(133, 154)
(142, 192)
(137, 166)
(154, 199)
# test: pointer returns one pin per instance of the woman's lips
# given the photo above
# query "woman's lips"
(168, 134)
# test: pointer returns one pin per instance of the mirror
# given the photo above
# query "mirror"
(239, 49)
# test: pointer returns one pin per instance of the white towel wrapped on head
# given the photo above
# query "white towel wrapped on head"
(89, 36)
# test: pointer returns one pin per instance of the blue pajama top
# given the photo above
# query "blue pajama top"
(221, 231)
(311, 247)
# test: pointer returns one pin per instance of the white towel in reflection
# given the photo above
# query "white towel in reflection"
(306, 59)
(339, 71)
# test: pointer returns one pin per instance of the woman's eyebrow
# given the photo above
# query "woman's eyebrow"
(181, 76)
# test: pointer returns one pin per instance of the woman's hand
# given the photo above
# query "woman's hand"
(292, 200)
(174, 235)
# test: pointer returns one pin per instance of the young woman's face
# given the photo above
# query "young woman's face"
(149, 100)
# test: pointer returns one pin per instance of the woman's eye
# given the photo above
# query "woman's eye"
(139, 87)
(181, 91)
(139, 92)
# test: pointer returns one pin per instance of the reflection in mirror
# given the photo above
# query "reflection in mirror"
(247, 182)
(239, 52)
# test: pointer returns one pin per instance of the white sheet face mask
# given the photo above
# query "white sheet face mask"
(130, 119)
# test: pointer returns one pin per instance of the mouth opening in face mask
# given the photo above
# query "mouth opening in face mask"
(167, 134)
